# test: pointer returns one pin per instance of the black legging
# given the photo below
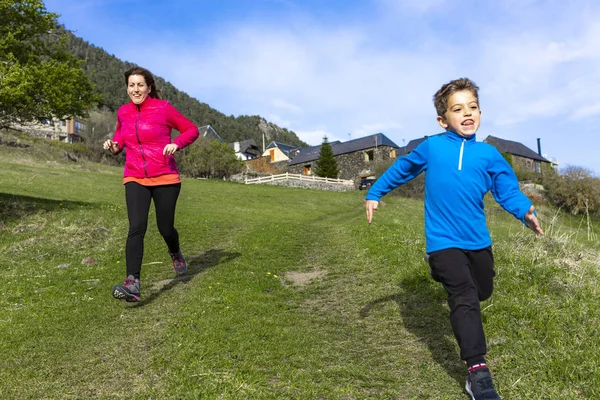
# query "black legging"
(468, 276)
(138, 200)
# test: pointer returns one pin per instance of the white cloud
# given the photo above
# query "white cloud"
(411, 6)
(277, 120)
(278, 103)
(369, 129)
(315, 137)
(591, 110)
(537, 62)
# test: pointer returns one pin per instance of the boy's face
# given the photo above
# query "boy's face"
(462, 115)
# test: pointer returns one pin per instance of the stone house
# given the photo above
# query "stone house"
(355, 158)
(522, 156)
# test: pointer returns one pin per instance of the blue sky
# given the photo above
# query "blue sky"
(349, 68)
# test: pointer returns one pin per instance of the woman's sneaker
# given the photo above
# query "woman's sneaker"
(129, 291)
(179, 264)
(480, 386)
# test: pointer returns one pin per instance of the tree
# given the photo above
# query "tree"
(326, 164)
(208, 158)
(39, 78)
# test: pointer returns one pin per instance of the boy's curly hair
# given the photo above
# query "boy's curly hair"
(440, 98)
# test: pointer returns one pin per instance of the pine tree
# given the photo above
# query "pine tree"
(326, 164)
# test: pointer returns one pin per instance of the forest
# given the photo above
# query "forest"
(106, 72)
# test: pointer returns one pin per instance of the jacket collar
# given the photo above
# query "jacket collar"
(455, 137)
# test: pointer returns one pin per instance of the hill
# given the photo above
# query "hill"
(290, 295)
(106, 71)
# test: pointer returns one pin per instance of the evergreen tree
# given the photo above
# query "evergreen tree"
(326, 164)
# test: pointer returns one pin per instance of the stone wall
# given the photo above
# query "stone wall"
(353, 165)
(525, 164)
(333, 187)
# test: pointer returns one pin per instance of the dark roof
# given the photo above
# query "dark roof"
(248, 147)
(207, 130)
(351, 146)
(415, 142)
(285, 148)
(515, 148)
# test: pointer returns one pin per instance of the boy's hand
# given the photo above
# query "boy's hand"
(532, 222)
(371, 206)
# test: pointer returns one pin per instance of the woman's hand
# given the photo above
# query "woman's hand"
(169, 149)
(112, 146)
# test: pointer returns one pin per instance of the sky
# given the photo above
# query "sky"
(347, 68)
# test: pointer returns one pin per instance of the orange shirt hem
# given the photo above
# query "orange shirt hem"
(167, 179)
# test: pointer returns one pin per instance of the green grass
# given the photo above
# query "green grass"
(371, 325)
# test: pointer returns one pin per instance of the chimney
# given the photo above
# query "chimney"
(539, 147)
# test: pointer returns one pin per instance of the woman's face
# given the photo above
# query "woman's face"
(137, 89)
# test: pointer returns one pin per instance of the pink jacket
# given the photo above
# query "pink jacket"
(145, 130)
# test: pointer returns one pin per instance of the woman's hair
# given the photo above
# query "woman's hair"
(148, 77)
(440, 98)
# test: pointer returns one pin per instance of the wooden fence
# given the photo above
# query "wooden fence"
(298, 177)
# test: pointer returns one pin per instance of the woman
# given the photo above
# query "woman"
(144, 129)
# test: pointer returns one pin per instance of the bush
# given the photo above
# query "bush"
(209, 159)
(575, 190)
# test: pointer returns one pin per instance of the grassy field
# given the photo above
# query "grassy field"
(290, 295)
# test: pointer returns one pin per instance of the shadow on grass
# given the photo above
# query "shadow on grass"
(421, 304)
(196, 264)
(13, 207)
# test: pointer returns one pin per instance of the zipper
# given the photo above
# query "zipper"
(460, 157)
(137, 135)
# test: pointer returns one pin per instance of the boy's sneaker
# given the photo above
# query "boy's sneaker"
(129, 291)
(179, 264)
(480, 386)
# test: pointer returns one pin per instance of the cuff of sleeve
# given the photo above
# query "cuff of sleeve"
(371, 197)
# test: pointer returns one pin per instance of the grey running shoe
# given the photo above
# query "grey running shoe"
(179, 264)
(129, 291)
(480, 386)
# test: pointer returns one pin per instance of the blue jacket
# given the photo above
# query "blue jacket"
(460, 171)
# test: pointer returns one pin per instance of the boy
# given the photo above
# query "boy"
(460, 171)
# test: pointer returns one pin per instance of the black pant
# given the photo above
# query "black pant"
(138, 200)
(468, 277)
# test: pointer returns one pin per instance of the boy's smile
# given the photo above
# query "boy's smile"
(462, 115)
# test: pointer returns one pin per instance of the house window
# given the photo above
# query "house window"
(272, 154)
(393, 153)
(79, 127)
(369, 155)
(308, 169)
